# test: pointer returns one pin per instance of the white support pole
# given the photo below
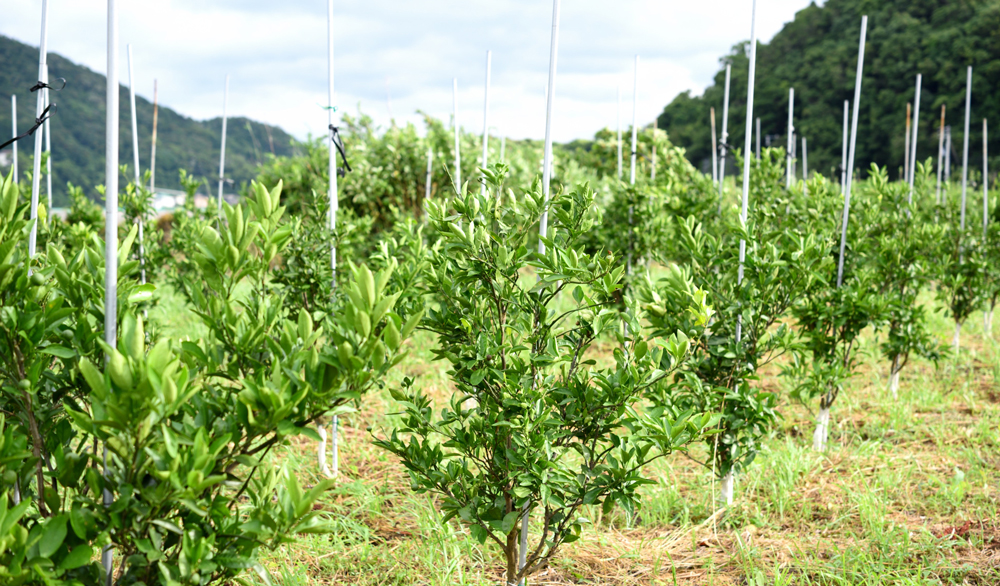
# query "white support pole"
(805, 160)
(965, 141)
(13, 119)
(843, 154)
(850, 156)
(725, 136)
(222, 148)
(791, 140)
(550, 94)
(458, 152)
(543, 224)
(110, 222)
(940, 158)
(334, 205)
(152, 155)
(635, 101)
(913, 139)
(727, 481)
(715, 148)
(427, 181)
(986, 183)
(486, 116)
(618, 115)
(758, 139)
(48, 149)
(36, 176)
(135, 161)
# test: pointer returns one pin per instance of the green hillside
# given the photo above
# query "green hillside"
(817, 55)
(78, 129)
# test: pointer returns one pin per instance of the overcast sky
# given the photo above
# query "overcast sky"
(275, 54)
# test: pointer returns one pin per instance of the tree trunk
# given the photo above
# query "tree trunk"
(988, 322)
(956, 340)
(822, 429)
(727, 488)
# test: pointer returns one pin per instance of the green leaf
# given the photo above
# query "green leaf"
(53, 536)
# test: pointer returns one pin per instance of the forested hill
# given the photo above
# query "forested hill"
(817, 55)
(78, 129)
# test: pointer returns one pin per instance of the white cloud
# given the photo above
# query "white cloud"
(275, 54)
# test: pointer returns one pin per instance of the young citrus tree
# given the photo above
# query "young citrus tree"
(547, 432)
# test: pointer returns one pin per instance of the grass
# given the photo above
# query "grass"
(907, 493)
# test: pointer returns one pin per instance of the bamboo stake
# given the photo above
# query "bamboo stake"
(913, 140)
(222, 148)
(986, 183)
(843, 155)
(13, 119)
(940, 155)
(947, 155)
(110, 222)
(715, 149)
(727, 481)
(791, 139)
(135, 161)
(427, 181)
(36, 176)
(850, 156)
(152, 155)
(458, 151)
(906, 143)
(805, 168)
(618, 115)
(725, 137)
(486, 116)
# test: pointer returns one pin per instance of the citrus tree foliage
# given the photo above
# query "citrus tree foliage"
(783, 261)
(902, 247)
(159, 453)
(535, 427)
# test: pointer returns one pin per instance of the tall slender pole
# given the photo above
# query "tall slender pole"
(152, 155)
(727, 480)
(13, 124)
(635, 101)
(913, 140)
(986, 183)
(135, 162)
(940, 155)
(947, 155)
(715, 148)
(758, 137)
(36, 176)
(850, 156)
(805, 160)
(843, 154)
(906, 143)
(791, 139)
(48, 148)
(427, 181)
(334, 205)
(543, 224)
(110, 222)
(458, 152)
(486, 116)
(222, 148)
(503, 143)
(618, 116)
(725, 136)
(965, 141)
